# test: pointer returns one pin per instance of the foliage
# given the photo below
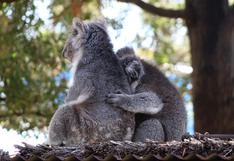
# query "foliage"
(30, 62)
(32, 81)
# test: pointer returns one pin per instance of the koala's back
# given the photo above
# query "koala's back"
(173, 114)
(109, 76)
(105, 75)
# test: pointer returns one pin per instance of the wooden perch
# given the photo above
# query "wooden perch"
(191, 147)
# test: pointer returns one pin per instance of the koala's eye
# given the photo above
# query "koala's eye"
(130, 62)
(75, 32)
(135, 62)
(126, 62)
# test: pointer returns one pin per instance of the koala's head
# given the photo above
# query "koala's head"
(131, 64)
(81, 33)
(125, 52)
(133, 67)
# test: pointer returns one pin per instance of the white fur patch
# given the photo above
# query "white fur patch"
(134, 85)
(129, 134)
(108, 135)
(75, 63)
(82, 98)
(153, 110)
(73, 129)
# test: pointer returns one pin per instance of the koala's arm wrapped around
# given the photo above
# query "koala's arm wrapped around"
(144, 102)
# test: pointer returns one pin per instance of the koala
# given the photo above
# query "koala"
(131, 65)
(86, 117)
(160, 112)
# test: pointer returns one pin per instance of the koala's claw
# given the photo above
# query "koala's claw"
(132, 73)
(111, 95)
(62, 144)
(113, 99)
(119, 91)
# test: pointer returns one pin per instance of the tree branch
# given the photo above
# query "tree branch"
(56, 18)
(76, 7)
(8, 1)
(170, 13)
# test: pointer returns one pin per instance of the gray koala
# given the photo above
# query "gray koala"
(86, 117)
(159, 108)
(131, 65)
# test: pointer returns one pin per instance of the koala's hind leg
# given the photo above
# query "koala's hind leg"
(57, 129)
(174, 128)
(64, 122)
(149, 129)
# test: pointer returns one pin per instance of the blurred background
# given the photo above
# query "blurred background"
(179, 36)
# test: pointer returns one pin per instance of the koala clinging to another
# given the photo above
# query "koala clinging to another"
(131, 65)
(159, 108)
(86, 117)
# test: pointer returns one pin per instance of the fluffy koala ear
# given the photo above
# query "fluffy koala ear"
(125, 52)
(102, 24)
(78, 24)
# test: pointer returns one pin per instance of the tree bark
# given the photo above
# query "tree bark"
(210, 28)
(76, 7)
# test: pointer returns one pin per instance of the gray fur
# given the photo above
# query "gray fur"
(144, 102)
(132, 66)
(149, 129)
(86, 117)
(157, 104)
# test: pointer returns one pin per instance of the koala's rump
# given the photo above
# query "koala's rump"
(102, 122)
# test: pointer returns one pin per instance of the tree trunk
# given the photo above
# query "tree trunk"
(210, 27)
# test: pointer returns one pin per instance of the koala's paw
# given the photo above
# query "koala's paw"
(119, 92)
(132, 73)
(57, 143)
(116, 99)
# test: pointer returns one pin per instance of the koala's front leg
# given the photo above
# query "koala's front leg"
(145, 102)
